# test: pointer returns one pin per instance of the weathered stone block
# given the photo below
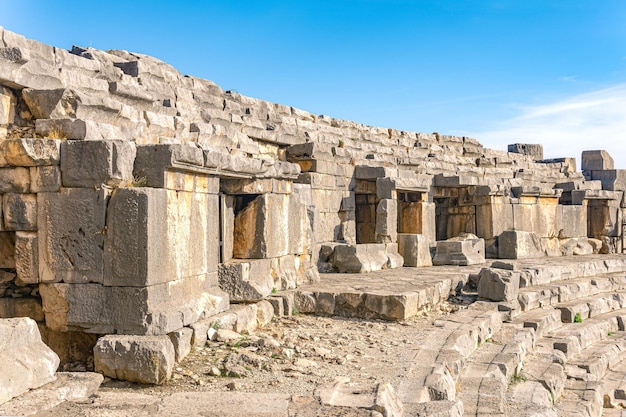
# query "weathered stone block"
(153, 160)
(45, 179)
(31, 152)
(264, 313)
(142, 359)
(26, 362)
(612, 179)
(246, 280)
(94, 163)
(262, 228)
(415, 249)
(156, 235)
(596, 161)
(77, 129)
(154, 310)
(387, 221)
(21, 307)
(360, 258)
(71, 246)
(27, 257)
(533, 150)
(20, 211)
(181, 341)
(498, 284)
(515, 244)
(8, 103)
(7, 250)
(461, 251)
(14, 180)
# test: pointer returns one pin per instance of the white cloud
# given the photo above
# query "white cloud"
(595, 120)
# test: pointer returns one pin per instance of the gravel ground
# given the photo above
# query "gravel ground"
(294, 355)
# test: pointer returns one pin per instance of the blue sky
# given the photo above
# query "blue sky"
(502, 71)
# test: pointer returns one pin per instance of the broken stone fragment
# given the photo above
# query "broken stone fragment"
(142, 359)
(498, 284)
(26, 362)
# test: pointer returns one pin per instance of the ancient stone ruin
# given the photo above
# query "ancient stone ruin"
(140, 207)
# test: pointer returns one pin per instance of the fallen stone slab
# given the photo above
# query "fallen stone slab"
(68, 386)
(460, 251)
(377, 397)
(498, 284)
(142, 359)
(26, 362)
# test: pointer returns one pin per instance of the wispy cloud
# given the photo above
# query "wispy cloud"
(595, 120)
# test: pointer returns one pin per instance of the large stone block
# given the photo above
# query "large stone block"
(262, 228)
(26, 362)
(31, 152)
(71, 235)
(498, 284)
(387, 221)
(612, 179)
(142, 359)
(77, 129)
(45, 179)
(88, 164)
(460, 251)
(415, 249)
(247, 281)
(515, 244)
(596, 161)
(153, 160)
(360, 258)
(7, 250)
(20, 211)
(14, 180)
(27, 257)
(535, 151)
(8, 103)
(156, 235)
(154, 310)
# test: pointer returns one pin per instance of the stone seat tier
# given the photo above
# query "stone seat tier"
(546, 295)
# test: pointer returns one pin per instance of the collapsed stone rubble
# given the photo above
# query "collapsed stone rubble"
(141, 207)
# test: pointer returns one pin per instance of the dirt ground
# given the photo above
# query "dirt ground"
(294, 355)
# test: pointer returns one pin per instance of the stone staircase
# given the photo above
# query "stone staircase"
(557, 350)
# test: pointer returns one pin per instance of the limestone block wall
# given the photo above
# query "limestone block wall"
(147, 186)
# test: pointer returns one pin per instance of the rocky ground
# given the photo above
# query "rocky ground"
(293, 356)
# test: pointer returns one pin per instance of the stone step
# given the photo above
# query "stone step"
(543, 321)
(572, 338)
(593, 362)
(614, 387)
(534, 297)
(388, 294)
(581, 398)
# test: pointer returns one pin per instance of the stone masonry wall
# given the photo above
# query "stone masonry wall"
(137, 200)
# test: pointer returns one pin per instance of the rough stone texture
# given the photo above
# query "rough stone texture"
(181, 341)
(143, 359)
(95, 163)
(535, 151)
(27, 257)
(152, 161)
(71, 247)
(246, 281)
(460, 252)
(31, 152)
(596, 161)
(26, 362)
(414, 249)
(20, 211)
(14, 180)
(68, 386)
(155, 310)
(379, 397)
(498, 284)
(360, 258)
(513, 244)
